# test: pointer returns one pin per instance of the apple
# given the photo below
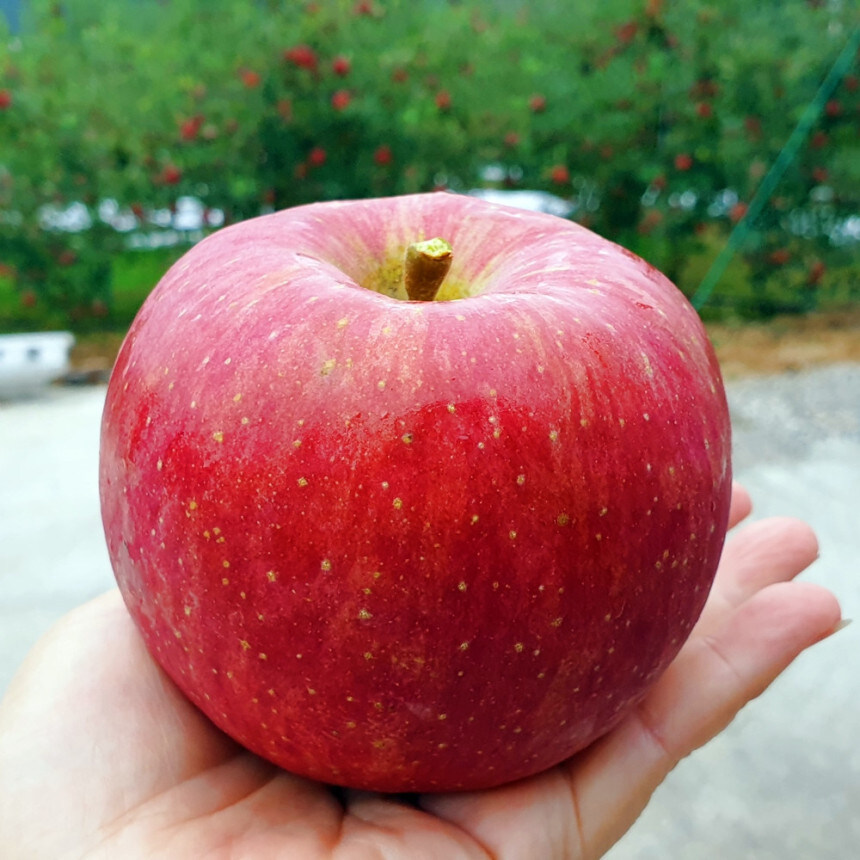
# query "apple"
(418, 493)
(340, 100)
(341, 65)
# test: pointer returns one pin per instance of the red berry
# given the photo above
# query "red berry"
(820, 174)
(5, 99)
(833, 108)
(627, 32)
(340, 100)
(738, 211)
(559, 174)
(28, 299)
(816, 272)
(341, 66)
(317, 156)
(537, 103)
(302, 56)
(191, 127)
(363, 7)
(512, 139)
(285, 109)
(399, 75)
(443, 100)
(753, 126)
(650, 221)
(250, 78)
(683, 161)
(383, 155)
(780, 256)
(819, 140)
(171, 175)
(704, 110)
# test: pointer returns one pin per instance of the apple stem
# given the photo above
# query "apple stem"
(425, 267)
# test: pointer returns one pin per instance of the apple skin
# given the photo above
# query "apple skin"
(414, 546)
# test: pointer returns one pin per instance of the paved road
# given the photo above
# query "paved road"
(783, 783)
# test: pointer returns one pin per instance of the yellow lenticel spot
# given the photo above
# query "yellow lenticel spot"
(192, 505)
(325, 564)
(398, 503)
(364, 614)
(302, 482)
(237, 398)
(218, 436)
(271, 575)
(519, 647)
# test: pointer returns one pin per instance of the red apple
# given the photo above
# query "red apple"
(560, 174)
(340, 100)
(412, 545)
(341, 65)
(317, 157)
(383, 155)
(250, 78)
(170, 175)
(302, 56)
(537, 103)
(443, 100)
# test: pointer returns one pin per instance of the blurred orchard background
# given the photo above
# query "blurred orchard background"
(129, 130)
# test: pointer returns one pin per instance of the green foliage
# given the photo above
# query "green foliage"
(641, 113)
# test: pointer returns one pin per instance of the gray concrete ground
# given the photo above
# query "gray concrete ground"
(784, 780)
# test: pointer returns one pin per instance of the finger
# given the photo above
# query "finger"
(741, 504)
(710, 681)
(91, 726)
(761, 554)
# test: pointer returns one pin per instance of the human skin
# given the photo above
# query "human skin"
(102, 757)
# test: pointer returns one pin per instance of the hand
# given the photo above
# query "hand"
(101, 756)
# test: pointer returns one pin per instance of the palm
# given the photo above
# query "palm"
(93, 732)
